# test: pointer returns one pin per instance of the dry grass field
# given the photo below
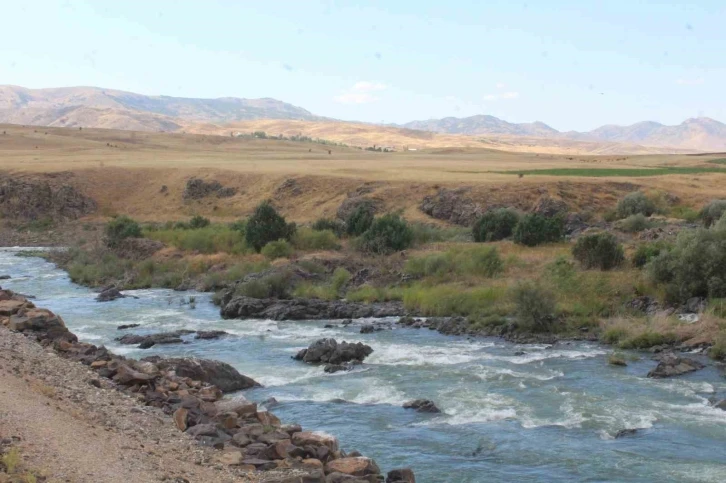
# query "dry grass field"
(125, 170)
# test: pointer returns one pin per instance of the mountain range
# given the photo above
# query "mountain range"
(114, 109)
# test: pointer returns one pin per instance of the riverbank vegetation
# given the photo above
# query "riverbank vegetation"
(511, 271)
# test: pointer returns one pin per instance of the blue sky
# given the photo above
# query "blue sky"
(571, 64)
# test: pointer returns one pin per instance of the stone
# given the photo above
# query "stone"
(330, 351)
(5, 277)
(127, 326)
(422, 406)
(202, 430)
(266, 418)
(230, 458)
(312, 463)
(356, 466)
(98, 364)
(109, 294)
(314, 438)
(238, 404)
(197, 189)
(452, 205)
(228, 420)
(217, 373)
(128, 377)
(367, 329)
(626, 432)
(721, 404)
(550, 207)
(241, 439)
(11, 307)
(671, 365)
(402, 475)
(210, 334)
(242, 307)
(180, 418)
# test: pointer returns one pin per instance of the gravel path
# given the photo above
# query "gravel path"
(72, 431)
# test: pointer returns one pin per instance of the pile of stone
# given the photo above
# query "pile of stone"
(191, 392)
(336, 356)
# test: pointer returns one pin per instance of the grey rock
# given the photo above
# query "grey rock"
(220, 374)
(422, 406)
(671, 365)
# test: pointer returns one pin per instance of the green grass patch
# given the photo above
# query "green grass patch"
(210, 239)
(327, 291)
(483, 261)
(453, 299)
(718, 161)
(370, 294)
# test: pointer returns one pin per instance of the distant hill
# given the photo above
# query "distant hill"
(701, 133)
(482, 125)
(97, 107)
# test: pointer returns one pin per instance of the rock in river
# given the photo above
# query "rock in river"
(422, 406)
(109, 294)
(220, 374)
(304, 309)
(671, 365)
(331, 352)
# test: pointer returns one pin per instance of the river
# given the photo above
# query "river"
(548, 415)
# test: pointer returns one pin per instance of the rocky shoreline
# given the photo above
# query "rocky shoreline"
(189, 392)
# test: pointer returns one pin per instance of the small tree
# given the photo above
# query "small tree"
(277, 249)
(389, 233)
(634, 203)
(359, 221)
(599, 250)
(266, 225)
(535, 306)
(120, 228)
(495, 225)
(534, 229)
(323, 224)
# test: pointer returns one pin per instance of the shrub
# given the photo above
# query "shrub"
(645, 253)
(276, 285)
(335, 226)
(721, 223)
(359, 221)
(685, 213)
(647, 339)
(599, 250)
(120, 228)
(389, 233)
(369, 294)
(309, 239)
(534, 229)
(495, 225)
(695, 267)
(277, 249)
(635, 203)
(634, 223)
(424, 233)
(718, 349)
(535, 306)
(329, 291)
(265, 226)
(198, 222)
(210, 239)
(712, 212)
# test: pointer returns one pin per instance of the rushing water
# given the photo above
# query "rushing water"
(548, 415)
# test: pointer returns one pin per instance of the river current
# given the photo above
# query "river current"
(548, 415)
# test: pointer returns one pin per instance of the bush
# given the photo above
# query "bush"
(635, 203)
(277, 249)
(335, 226)
(685, 213)
(370, 294)
(721, 223)
(120, 228)
(425, 233)
(276, 285)
(359, 221)
(198, 222)
(495, 225)
(265, 226)
(718, 349)
(695, 267)
(309, 239)
(389, 233)
(329, 291)
(634, 223)
(534, 229)
(535, 306)
(645, 253)
(599, 250)
(712, 212)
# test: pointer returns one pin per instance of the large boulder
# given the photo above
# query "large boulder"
(671, 365)
(43, 323)
(147, 341)
(401, 475)
(109, 294)
(315, 439)
(217, 373)
(331, 352)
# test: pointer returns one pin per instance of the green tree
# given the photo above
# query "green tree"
(495, 225)
(389, 233)
(120, 228)
(267, 225)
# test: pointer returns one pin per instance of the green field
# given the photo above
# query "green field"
(624, 172)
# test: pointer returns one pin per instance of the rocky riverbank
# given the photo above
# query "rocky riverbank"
(188, 394)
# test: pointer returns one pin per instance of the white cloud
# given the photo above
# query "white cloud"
(360, 93)
(501, 85)
(502, 96)
(690, 82)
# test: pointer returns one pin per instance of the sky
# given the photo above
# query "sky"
(574, 65)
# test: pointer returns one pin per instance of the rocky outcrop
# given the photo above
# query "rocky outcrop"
(550, 207)
(241, 307)
(29, 200)
(190, 392)
(217, 373)
(452, 206)
(422, 406)
(671, 365)
(147, 341)
(329, 351)
(197, 189)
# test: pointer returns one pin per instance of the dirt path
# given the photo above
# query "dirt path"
(71, 431)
